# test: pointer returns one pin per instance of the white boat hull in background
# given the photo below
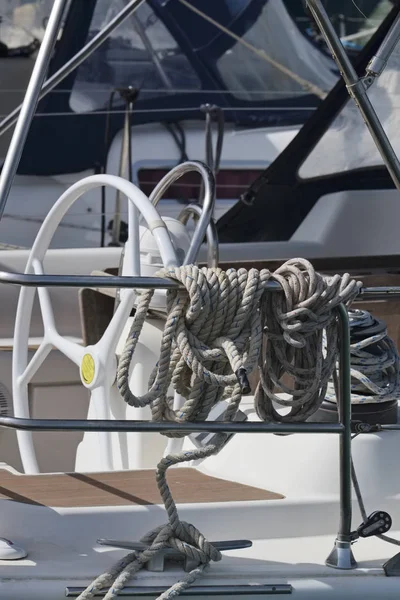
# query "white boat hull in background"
(32, 197)
(332, 227)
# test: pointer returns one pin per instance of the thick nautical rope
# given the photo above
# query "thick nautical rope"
(375, 366)
(293, 346)
(177, 534)
(211, 341)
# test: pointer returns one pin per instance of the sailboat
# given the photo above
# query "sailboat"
(255, 502)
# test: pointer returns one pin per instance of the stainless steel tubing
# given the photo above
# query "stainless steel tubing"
(378, 62)
(341, 556)
(357, 90)
(194, 210)
(151, 426)
(76, 60)
(31, 99)
(208, 204)
(379, 293)
(96, 281)
(88, 281)
(344, 407)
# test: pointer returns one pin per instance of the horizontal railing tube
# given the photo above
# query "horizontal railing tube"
(153, 426)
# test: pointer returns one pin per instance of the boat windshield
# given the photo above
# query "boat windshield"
(252, 49)
(347, 144)
(355, 22)
(264, 63)
(140, 53)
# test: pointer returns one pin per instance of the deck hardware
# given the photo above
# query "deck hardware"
(392, 566)
(378, 523)
(341, 556)
(8, 551)
(157, 563)
(228, 591)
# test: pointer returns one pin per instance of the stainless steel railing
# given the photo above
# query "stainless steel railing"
(341, 556)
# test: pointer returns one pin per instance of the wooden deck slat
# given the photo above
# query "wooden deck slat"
(124, 488)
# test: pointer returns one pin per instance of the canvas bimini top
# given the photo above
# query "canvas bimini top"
(334, 151)
(179, 54)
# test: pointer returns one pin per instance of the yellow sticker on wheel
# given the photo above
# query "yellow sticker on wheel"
(87, 368)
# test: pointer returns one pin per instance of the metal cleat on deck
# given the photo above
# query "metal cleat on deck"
(157, 563)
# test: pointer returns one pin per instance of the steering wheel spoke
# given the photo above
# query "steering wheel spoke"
(35, 363)
(46, 307)
(116, 326)
(70, 349)
(99, 403)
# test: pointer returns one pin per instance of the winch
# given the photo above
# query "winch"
(375, 374)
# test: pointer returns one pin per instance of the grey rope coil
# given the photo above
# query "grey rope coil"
(375, 366)
(294, 325)
(212, 339)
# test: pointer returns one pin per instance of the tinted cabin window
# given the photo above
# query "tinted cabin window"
(231, 184)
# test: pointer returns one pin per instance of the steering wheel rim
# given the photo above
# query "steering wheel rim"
(98, 373)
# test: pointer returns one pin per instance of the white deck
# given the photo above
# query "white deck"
(63, 551)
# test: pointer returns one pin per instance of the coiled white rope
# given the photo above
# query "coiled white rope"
(212, 340)
(375, 366)
(212, 332)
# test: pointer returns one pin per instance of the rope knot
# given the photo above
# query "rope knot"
(186, 539)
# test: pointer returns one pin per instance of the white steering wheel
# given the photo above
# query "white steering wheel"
(97, 363)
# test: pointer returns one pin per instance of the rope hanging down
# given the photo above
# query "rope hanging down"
(294, 325)
(211, 342)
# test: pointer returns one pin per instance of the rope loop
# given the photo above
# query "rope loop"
(293, 359)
